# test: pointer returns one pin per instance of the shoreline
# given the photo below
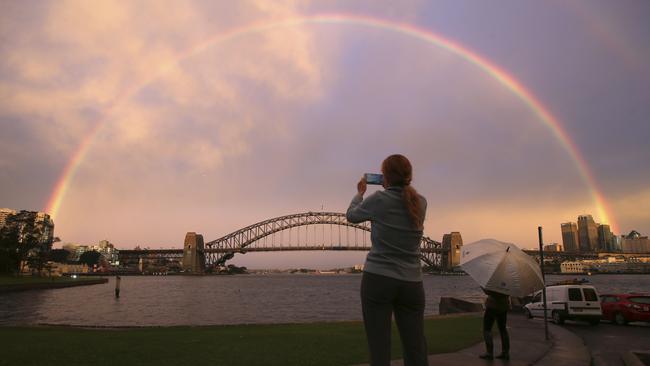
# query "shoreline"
(135, 327)
(50, 284)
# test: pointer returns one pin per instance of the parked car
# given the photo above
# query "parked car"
(624, 308)
(567, 302)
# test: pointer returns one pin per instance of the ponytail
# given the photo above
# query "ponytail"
(412, 203)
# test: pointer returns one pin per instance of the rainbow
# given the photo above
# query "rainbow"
(508, 81)
(604, 31)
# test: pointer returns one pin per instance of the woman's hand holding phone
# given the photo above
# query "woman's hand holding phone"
(361, 186)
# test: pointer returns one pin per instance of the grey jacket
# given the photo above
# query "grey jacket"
(395, 250)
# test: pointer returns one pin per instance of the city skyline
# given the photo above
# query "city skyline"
(576, 238)
(209, 117)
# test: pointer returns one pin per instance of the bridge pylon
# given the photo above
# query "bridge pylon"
(452, 244)
(193, 253)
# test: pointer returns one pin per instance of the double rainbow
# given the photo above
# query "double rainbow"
(508, 81)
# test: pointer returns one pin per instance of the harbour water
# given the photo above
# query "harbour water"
(211, 300)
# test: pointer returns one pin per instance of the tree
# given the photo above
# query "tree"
(40, 254)
(24, 239)
(59, 255)
(9, 249)
(90, 257)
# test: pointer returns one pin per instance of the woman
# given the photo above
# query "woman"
(392, 276)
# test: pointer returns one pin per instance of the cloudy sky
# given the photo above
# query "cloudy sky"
(209, 116)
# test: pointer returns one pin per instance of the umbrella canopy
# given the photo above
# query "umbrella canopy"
(501, 267)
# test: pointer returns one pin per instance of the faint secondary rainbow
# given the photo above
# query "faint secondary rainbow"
(505, 79)
(605, 31)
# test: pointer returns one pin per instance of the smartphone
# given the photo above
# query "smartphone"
(372, 178)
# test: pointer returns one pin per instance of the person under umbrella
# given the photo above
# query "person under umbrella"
(502, 270)
(496, 308)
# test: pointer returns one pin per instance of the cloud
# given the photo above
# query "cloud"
(207, 127)
(483, 152)
(630, 210)
(93, 60)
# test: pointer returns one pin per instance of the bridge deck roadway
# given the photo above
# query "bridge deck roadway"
(303, 248)
(163, 252)
(151, 253)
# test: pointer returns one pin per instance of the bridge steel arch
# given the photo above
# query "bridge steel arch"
(219, 251)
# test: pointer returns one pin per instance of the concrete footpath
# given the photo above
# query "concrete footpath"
(527, 347)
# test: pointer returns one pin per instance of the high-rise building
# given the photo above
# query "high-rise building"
(605, 239)
(108, 251)
(617, 242)
(570, 237)
(587, 233)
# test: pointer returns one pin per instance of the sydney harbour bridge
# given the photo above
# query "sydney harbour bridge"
(309, 231)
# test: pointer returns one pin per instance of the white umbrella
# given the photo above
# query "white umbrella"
(501, 267)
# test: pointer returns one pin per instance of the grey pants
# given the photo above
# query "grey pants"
(381, 297)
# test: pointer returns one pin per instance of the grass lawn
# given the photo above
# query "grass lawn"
(335, 343)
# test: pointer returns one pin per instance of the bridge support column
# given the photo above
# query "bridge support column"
(452, 242)
(193, 254)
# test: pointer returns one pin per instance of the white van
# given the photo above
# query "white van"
(567, 302)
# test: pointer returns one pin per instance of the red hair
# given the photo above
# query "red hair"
(398, 171)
